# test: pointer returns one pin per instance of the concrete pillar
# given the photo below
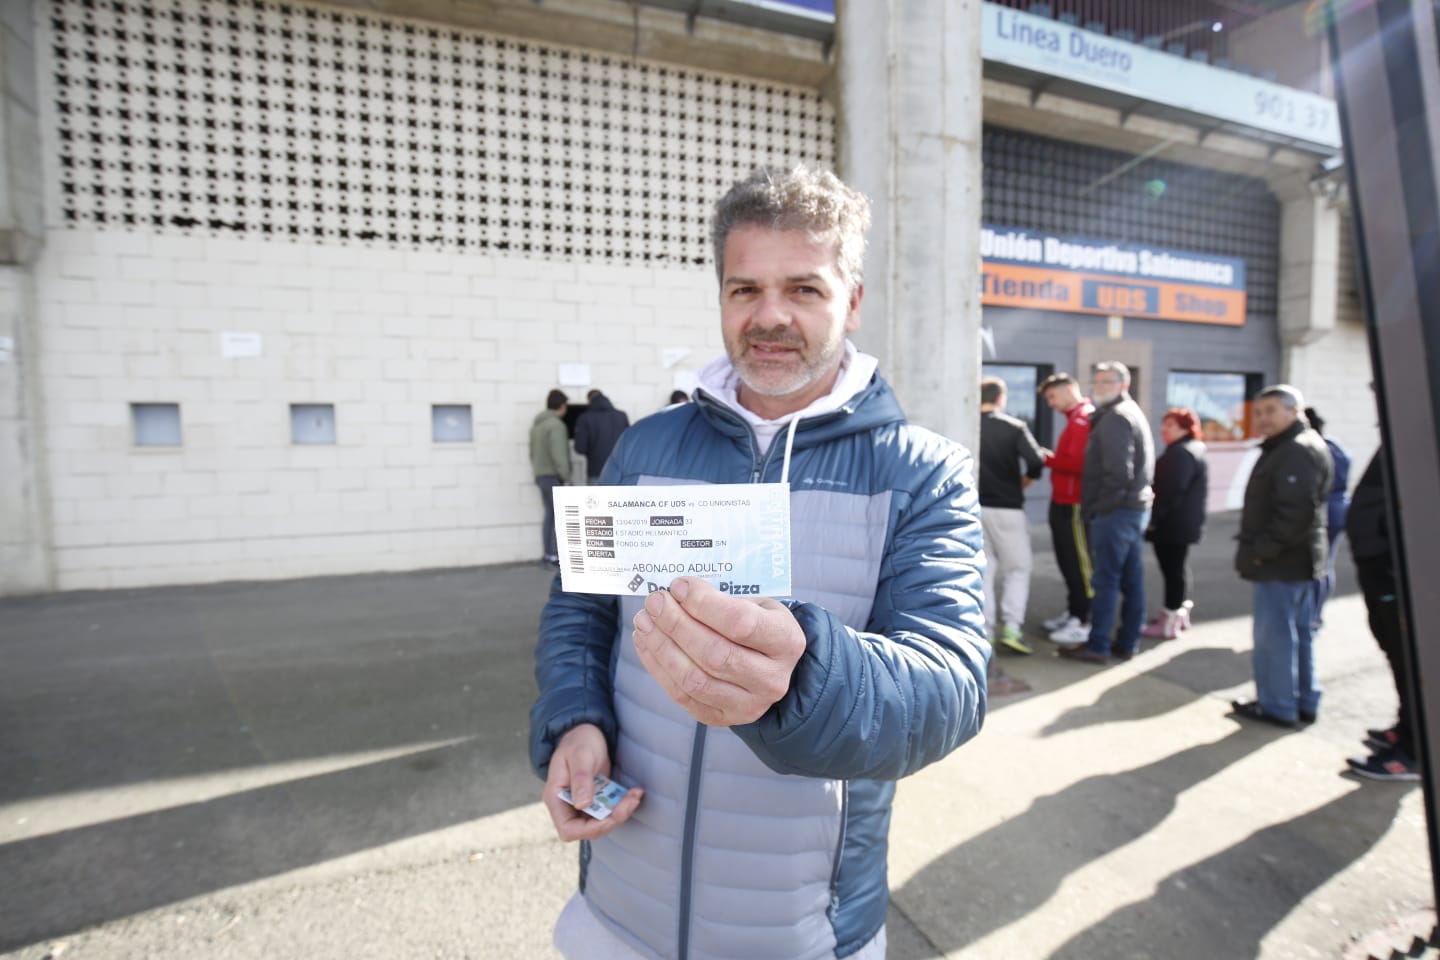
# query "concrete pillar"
(25, 564)
(909, 138)
(1309, 264)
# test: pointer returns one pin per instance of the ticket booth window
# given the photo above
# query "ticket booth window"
(1222, 401)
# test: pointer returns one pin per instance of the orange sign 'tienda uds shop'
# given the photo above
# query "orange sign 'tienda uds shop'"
(1072, 275)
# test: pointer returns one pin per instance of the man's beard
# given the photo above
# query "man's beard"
(783, 377)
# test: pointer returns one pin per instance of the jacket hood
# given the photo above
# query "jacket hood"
(601, 402)
(873, 404)
(543, 414)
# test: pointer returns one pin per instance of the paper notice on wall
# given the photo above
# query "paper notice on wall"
(236, 344)
(673, 355)
(574, 374)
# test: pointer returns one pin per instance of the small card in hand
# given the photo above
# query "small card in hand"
(607, 794)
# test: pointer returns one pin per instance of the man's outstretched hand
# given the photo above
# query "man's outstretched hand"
(725, 659)
(578, 757)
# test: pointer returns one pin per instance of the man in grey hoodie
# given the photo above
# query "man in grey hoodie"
(1115, 496)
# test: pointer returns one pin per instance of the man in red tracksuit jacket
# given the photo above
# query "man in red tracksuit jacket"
(1067, 530)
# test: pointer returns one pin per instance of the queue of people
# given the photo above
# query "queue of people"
(1108, 492)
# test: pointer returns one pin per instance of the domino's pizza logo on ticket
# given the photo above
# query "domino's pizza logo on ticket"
(632, 541)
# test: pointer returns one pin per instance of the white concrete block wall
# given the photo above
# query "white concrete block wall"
(1334, 375)
(381, 334)
(516, 147)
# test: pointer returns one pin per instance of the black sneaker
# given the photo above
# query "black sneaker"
(1385, 765)
(1383, 739)
(1251, 710)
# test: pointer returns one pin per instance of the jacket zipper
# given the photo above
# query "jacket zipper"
(697, 756)
(692, 799)
(839, 850)
(687, 843)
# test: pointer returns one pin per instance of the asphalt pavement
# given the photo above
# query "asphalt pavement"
(336, 767)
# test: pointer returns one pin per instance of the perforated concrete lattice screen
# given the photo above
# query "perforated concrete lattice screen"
(283, 121)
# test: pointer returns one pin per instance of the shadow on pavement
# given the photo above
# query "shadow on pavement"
(162, 697)
(1219, 594)
(1198, 671)
(1080, 823)
(1230, 901)
(108, 689)
(1207, 669)
(92, 874)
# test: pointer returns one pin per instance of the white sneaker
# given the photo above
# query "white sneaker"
(1072, 634)
(1056, 622)
(1062, 624)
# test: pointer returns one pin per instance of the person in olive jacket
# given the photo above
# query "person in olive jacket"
(550, 462)
(1282, 549)
(1177, 516)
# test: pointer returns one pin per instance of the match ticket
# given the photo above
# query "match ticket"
(608, 795)
(635, 540)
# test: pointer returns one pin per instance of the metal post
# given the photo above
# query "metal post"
(1387, 80)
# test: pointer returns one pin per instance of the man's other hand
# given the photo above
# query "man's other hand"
(725, 659)
(578, 757)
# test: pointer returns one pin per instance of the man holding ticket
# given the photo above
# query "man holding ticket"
(769, 611)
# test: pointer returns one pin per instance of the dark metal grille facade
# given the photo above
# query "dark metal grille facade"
(273, 120)
(1042, 184)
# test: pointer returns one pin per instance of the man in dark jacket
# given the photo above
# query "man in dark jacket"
(1006, 443)
(1115, 500)
(597, 431)
(1368, 527)
(1282, 548)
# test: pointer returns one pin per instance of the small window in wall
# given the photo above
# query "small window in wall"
(156, 424)
(312, 423)
(1021, 401)
(1222, 401)
(451, 423)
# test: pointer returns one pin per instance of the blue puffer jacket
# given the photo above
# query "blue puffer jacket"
(770, 839)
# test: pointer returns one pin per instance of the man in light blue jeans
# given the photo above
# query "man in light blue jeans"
(1283, 659)
(1282, 551)
(1115, 497)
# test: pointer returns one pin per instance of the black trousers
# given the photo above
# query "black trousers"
(1377, 583)
(1072, 553)
(1175, 570)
